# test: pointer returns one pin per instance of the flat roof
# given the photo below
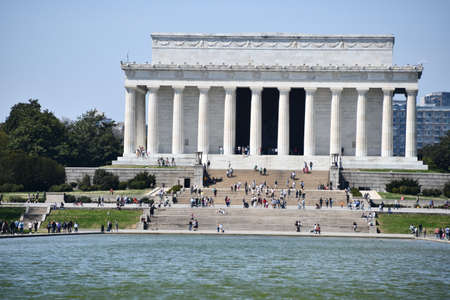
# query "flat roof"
(270, 35)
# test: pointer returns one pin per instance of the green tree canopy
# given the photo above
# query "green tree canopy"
(92, 140)
(36, 132)
(437, 156)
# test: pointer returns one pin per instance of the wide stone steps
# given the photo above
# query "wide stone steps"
(34, 214)
(311, 196)
(253, 219)
(311, 180)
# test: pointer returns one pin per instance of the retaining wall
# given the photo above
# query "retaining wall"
(166, 176)
(378, 180)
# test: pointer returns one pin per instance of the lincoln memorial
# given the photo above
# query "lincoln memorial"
(271, 100)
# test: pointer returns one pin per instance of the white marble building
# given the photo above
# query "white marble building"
(298, 97)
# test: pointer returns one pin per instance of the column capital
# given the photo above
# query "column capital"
(310, 90)
(130, 89)
(284, 90)
(229, 89)
(388, 91)
(141, 90)
(256, 89)
(362, 91)
(203, 89)
(152, 87)
(411, 92)
(178, 88)
(336, 91)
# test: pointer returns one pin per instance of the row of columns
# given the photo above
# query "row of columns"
(135, 121)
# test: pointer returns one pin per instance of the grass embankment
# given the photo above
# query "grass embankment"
(94, 218)
(387, 195)
(11, 213)
(130, 193)
(399, 223)
(137, 167)
(104, 193)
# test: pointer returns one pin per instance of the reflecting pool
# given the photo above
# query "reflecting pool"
(240, 267)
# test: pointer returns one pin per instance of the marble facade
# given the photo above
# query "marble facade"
(190, 86)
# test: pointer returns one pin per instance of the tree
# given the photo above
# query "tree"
(437, 156)
(92, 140)
(36, 132)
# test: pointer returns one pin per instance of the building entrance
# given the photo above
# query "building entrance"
(243, 102)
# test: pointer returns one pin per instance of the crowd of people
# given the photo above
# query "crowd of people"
(65, 227)
(439, 232)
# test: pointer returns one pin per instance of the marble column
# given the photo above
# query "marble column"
(361, 124)
(256, 121)
(309, 138)
(140, 118)
(387, 146)
(129, 134)
(335, 126)
(203, 132)
(177, 121)
(152, 123)
(283, 122)
(229, 130)
(410, 143)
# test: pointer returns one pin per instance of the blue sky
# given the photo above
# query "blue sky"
(67, 53)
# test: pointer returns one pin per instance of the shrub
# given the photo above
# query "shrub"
(355, 192)
(33, 172)
(146, 200)
(403, 186)
(142, 180)
(85, 183)
(11, 187)
(61, 188)
(17, 199)
(105, 180)
(84, 199)
(73, 184)
(447, 190)
(432, 192)
(174, 189)
(69, 198)
(138, 185)
(122, 185)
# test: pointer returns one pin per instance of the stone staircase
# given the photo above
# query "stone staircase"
(311, 180)
(259, 219)
(311, 196)
(35, 213)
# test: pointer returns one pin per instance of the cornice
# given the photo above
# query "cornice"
(268, 68)
(270, 41)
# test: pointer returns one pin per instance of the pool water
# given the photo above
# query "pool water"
(215, 267)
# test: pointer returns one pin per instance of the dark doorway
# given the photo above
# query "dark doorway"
(296, 121)
(270, 99)
(243, 102)
(187, 182)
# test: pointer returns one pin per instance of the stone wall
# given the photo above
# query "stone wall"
(167, 176)
(378, 180)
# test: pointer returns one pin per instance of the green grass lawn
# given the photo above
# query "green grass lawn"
(116, 193)
(131, 193)
(94, 218)
(387, 195)
(11, 213)
(136, 167)
(399, 223)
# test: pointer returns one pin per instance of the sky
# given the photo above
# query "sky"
(67, 53)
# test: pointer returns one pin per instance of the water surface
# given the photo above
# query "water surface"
(213, 267)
